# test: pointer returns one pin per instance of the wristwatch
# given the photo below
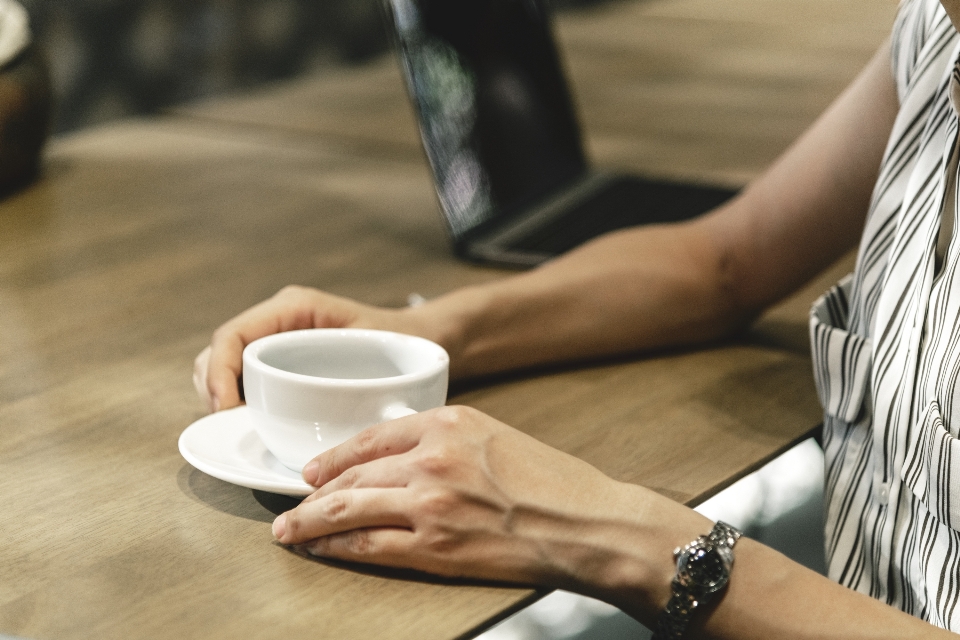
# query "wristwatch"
(703, 568)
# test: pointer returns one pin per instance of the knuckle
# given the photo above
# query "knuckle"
(440, 542)
(443, 545)
(291, 291)
(359, 542)
(449, 416)
(219, 333)
(437, 504)
(453, 415)
(336, 506)
(437, 461)
(349, 478)
(225, 333)
(319, 547)
(367, 442)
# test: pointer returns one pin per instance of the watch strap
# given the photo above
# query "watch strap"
(676, 616)
(685, 598)
(724, 534)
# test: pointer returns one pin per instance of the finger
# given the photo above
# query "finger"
(223, 371)
(291, 308)
(379, 441)
(344, 511)
(226, 349)
(382, 473)
(200, 365)
(383, 546)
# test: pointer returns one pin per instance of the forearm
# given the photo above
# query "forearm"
(634, 290)
(770, 596)
(661, 286)
(626, 559)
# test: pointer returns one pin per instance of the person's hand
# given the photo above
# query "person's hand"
(217, 369)
(454, 492)
(444, 491)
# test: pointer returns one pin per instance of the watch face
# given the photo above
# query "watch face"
(704, 566)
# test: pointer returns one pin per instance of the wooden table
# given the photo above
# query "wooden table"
(144, 235)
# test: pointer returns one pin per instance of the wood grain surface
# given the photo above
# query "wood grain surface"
(144, 235)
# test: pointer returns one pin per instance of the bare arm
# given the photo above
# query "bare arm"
(454, 492)
(635, 289)
(676, 284)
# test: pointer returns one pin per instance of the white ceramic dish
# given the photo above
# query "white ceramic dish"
(226, 446)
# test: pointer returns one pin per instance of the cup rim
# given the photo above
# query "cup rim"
(251, 358)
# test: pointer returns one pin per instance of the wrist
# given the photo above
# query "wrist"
(703, 571)
(453, 322)
(639, 576)
(622, 550)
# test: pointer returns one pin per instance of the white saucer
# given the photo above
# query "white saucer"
(226, 446)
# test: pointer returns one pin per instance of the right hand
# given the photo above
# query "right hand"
(455, 492)
(216, 371)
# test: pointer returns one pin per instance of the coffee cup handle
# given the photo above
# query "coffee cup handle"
(395, 411)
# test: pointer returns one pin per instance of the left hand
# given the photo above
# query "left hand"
(454, 492)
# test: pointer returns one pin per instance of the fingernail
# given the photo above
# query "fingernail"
(280, 526)
(311, 472)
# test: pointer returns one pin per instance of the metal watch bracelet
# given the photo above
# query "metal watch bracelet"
(703, 568)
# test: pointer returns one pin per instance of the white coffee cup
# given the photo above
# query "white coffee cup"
(310, 390)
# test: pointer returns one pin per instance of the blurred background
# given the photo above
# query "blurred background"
(111, 58)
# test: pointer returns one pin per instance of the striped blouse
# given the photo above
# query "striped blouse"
(886, 351)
